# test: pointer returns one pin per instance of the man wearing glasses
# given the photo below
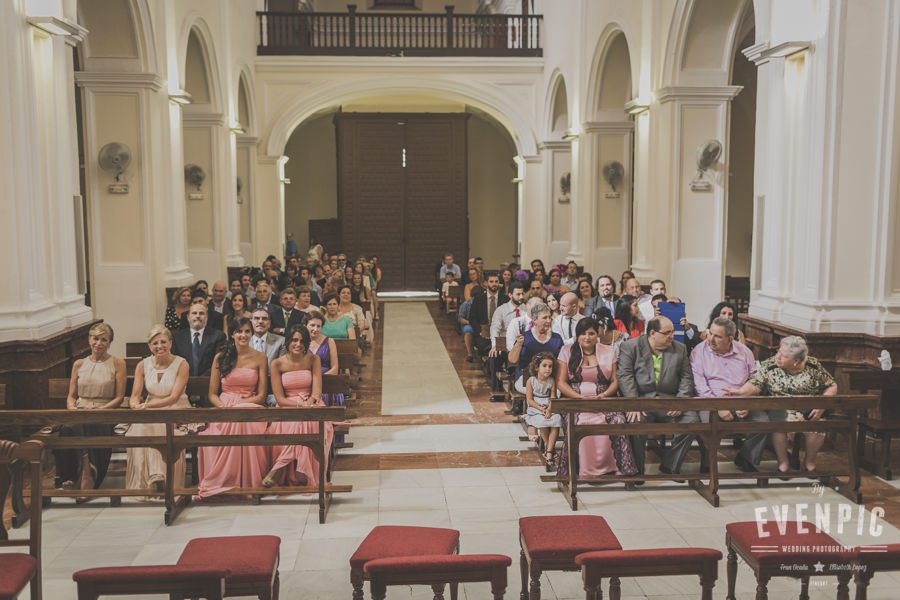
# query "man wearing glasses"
(656, 366)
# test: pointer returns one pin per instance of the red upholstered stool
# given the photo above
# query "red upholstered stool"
(192, 582)
(438, 570)
(703, 562)
(387, 541)
(873, 559)
(799, 552)
(252, 562)
(552, 543)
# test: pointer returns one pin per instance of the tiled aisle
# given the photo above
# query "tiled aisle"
(483, 503)
(418, 375)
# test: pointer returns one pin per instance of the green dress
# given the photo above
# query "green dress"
(337, 329)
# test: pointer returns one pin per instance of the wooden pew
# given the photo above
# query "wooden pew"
(348, 357)
(171, 445)
(139, 349)
(849, 409)
(455, 293)
(884, 425)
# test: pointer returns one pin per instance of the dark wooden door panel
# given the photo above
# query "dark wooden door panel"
(436, 219)
(406, 214)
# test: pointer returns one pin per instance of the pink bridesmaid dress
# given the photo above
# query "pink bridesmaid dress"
(303, 468)
(223, 468)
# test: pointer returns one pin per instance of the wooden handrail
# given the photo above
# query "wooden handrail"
(406, 34)
(113, 416)
(712, 433)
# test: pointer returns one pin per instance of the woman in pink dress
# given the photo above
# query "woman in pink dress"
(587, 370)
(237, 380)
(297, 382)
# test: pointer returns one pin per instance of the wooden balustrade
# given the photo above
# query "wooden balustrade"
(401, 34)
(847, 410)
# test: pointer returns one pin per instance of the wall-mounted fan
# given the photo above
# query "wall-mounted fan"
(240, 186)
(613, 174)
(707, 155)
(195, 175)
(565, 186)
(114, 158)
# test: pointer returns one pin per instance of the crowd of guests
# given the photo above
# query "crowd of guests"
(569, 334)
(257, 353)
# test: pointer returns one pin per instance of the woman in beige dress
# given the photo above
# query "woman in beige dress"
(98, 381)
(163, 377)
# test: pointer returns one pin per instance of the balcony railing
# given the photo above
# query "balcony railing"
(398, 34)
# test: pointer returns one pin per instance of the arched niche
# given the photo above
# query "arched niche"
(559, 112)
(120, 36)
(615, 82)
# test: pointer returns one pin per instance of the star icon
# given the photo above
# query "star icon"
(819, 567)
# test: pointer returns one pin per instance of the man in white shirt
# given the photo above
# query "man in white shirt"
(218, 303)
(564, 323)
(570, 279)
(504, 314)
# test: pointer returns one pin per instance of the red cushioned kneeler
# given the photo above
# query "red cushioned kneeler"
(614, 564)
(387, 541)
(437, 571)
(874, 559)
(174, 580)
(251, 559)
(16, 572)
(552, 543)
(790, 553)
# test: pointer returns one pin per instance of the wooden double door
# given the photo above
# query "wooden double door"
(402, 192)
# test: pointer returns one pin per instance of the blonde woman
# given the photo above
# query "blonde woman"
(159, 384)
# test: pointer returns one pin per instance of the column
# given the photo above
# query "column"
(560, 220)
(533, 214)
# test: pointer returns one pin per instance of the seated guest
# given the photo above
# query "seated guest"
(519, 325)
(263, 297)
(348, 274)
(353, 311)
(657, 286)
(310, 282)
(218, 301)
(570, 280)
(568, 317)
(586, 293)
(505, 313)
(447, 266)
(537, 265)
(603, 298)
(449, 282)
(465, 328)
(792, 372)
(656, 366)
(484, 304)
(198, 343)
(536, 289)
(337, 325)
(202, 285)
(181, 303)
(585, 276)
(238, 380)
(539, 390)
(726, 310)
(215, 320)
(587, 369)
(247, 286)
(237, 308)
(628, 319)
(297, 382)
(553, 303)
(285, 316)
(655, 300)
(607, 333)
(304, 300)
(633, 288)
(554, 282)
(263, 340)
(626, 275)
(159, 383)
(535, 340)
(358, 291)
(98, 381)
(476, 281)
(234, 287)
(721, 363)
(327, 351)
(506, 278)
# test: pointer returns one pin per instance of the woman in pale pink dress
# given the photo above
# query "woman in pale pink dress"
(297, 382)
(587, 370)
(237, 380)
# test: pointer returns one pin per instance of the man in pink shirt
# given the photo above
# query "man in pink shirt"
(719, 364)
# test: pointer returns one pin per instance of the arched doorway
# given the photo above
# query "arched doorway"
(312, 199)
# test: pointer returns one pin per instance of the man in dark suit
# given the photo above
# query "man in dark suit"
(484, 303)
(198, 343)
(285, 316)
(656, 366)
(605, 297)
(214, 320)
(263, 298)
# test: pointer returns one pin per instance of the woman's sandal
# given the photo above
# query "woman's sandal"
(67, 485)
(550, 457)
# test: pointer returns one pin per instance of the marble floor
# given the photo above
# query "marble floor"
(483, 502)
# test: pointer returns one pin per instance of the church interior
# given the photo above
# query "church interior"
(523, 299)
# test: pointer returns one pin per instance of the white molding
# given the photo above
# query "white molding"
(556, 146)
(246, 140)
(534, 159)
(267, 160)
(611, 127)
(712, 93)
(756, 53)
(202, 119)
(151, 81)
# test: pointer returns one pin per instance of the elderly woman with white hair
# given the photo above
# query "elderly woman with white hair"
(792, 372)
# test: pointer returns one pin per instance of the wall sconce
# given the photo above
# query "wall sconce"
(181, 97)
(636, 106)
(571, 134)
(58, 26)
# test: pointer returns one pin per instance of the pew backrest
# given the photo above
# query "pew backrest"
(139, 349)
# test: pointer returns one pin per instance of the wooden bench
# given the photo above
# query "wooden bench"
(139, 349)
(848, 409)
(171, 445)
(883, 426)
(454, 294)
(18, 567)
